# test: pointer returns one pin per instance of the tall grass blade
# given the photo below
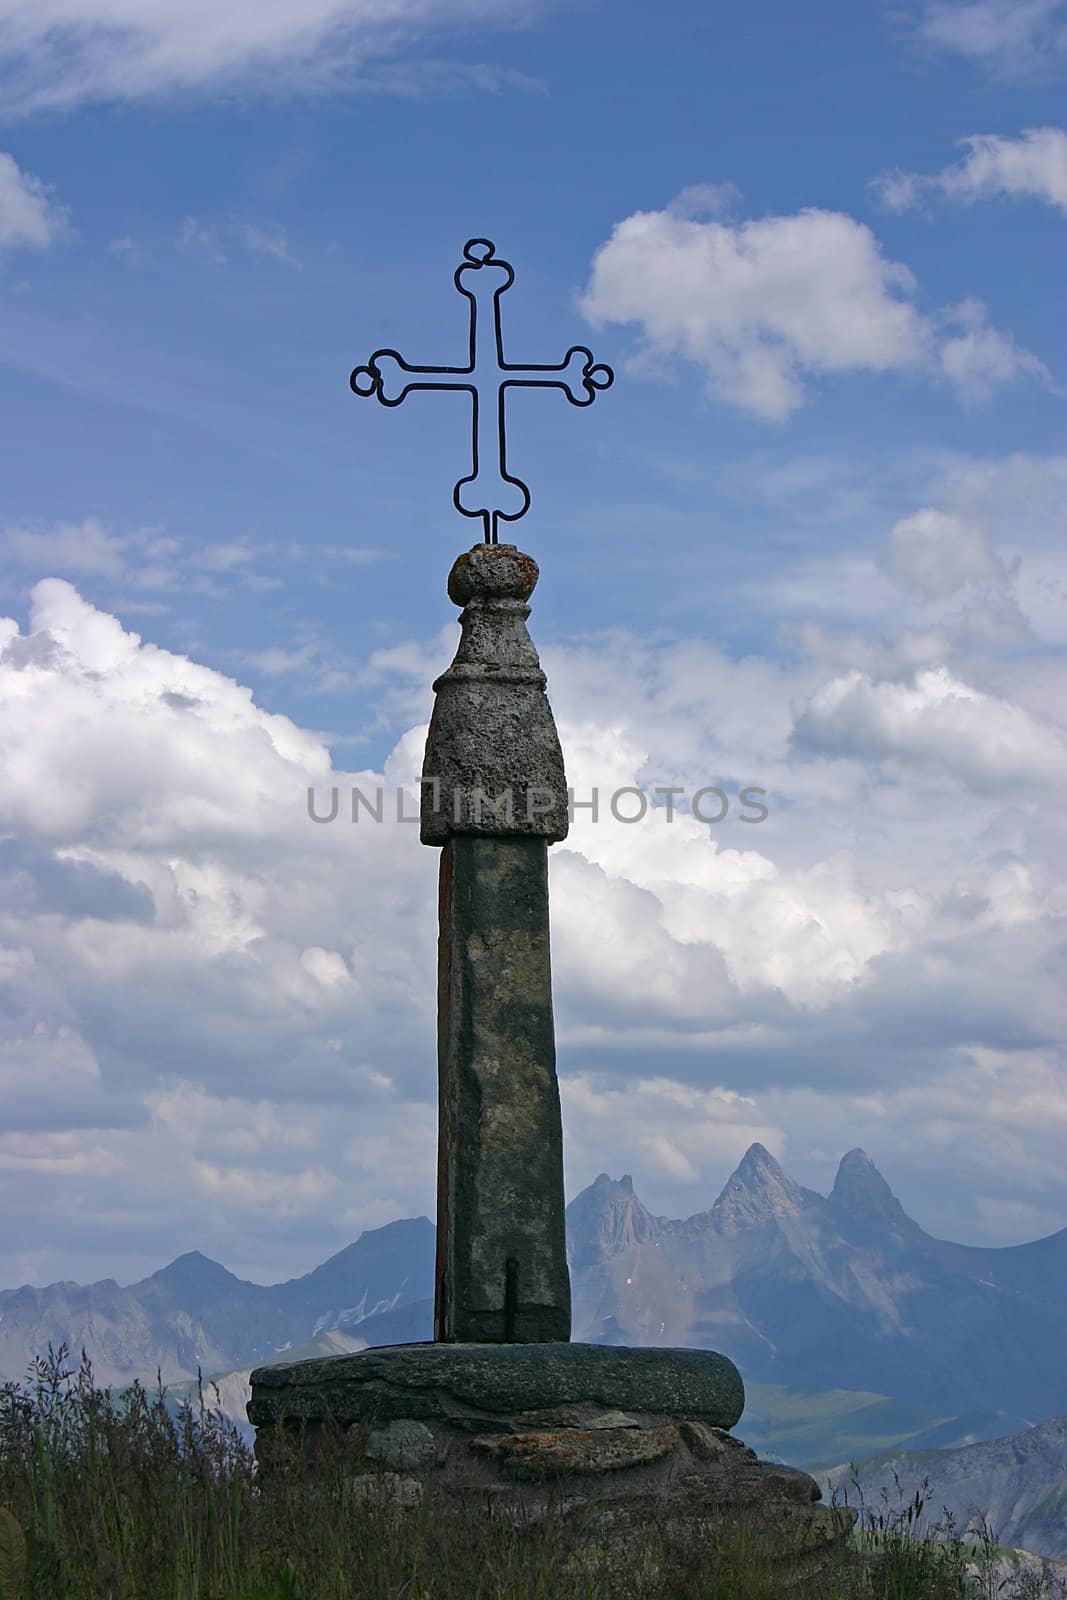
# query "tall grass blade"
(12, 1556)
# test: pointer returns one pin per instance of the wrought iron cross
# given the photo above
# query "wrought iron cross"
(489, 490)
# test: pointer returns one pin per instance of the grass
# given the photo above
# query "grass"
(105, 1499)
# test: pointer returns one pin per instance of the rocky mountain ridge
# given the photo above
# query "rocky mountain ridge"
(194, 1313)
(1018, 1483)
(843, 1291)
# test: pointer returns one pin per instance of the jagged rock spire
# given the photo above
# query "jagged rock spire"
(609, 1217)
(757, 1190)
(861, 1191)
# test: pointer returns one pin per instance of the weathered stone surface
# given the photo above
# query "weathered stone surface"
(612, 1419)
(385, 1489)
(706, 1443)
(618, 1486)
(803, 1544)
(500, 1133)
(403, 1445)
(789, 1483)
(493, 763)
(492, 572)
(568, 1450)
(426, 1381)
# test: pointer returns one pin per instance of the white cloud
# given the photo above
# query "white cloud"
(270, 241)
(974, 572)
(142, 559)
(63, 1155)
(59, 56)
(429, 75)
(221, 1014)
(1020, 501)
(1013, 38)
(48, 1073)
(304, 663)
(935, 722)
(1033, 166)
(660, 1127)
(126, 248)
(935, 553)
(29, 217)
(193, 235)
(979, 359)
(704, 200)
(213, 240)
(764, 305)
(358, 556)
(223, 557)
(259, 1190)
(197, 1120)
(70, 547)
(994, 1116)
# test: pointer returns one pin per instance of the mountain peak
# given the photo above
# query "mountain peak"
(609, 1217)
(758, 1189)
(192, 1261)
(860, 1190)
(194, 1273)
(758, 1162)
(604, 1182)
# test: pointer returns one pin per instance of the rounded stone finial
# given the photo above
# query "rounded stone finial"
(492, 572)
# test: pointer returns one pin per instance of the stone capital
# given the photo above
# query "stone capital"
(493, 762)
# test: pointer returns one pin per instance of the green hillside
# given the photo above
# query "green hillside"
(814, 1428)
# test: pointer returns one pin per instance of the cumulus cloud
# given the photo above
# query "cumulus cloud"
(1033, 166)
(58, 58)
(1012, 38)
(764, 305)
(143, 927)
(29, 217)
(978, 359)
(49, 1075)
(936, 553)
(216, 1015)
(939, 723)
(1011, 512)
(963, 580)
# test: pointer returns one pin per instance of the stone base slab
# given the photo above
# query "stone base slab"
(617, 1439)
(481, 1381)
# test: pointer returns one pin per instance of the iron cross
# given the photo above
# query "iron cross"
(489, 490)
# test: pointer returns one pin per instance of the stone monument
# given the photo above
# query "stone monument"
(501, 1406)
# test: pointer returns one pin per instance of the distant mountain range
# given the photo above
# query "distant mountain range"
(196, 1314)
(843, 1292)
(1019, 1484)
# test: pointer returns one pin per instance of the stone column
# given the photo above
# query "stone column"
(494, 796)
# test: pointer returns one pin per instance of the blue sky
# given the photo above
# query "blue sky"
(811, 540)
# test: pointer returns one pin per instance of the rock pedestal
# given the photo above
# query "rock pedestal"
(629, 1440)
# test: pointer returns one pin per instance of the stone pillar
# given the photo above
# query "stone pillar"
(494, 795)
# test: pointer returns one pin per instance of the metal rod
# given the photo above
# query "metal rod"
(511, 1298)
